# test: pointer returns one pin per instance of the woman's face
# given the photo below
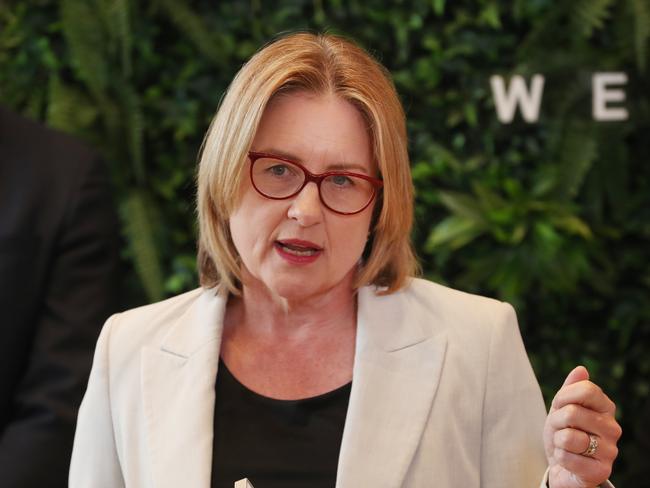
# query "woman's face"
(297, 248)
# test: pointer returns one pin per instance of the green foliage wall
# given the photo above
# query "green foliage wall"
(552, 216)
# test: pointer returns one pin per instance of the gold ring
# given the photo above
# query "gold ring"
(592, 447)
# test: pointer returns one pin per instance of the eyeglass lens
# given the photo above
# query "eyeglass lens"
(340, 192)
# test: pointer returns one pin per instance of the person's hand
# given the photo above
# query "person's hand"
(580, 434)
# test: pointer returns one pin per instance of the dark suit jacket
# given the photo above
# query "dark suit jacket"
(58, 272)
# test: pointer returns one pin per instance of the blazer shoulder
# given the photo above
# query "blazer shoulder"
(440, 299)
(149, 324)
(441, 307)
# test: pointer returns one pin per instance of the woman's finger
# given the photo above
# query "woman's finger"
(584, 393)
(577, 442)
(582, 418)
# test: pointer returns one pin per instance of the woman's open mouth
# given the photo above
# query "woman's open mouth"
(298, 251)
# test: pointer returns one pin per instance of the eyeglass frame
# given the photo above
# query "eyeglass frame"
(376, 183)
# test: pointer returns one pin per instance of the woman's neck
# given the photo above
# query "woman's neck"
(267, 317)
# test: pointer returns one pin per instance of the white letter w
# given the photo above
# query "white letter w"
(517, 94)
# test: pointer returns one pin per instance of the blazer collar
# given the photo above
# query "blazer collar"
(396, 371)
(201, 323)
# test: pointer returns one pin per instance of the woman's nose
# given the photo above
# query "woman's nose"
(306, 206)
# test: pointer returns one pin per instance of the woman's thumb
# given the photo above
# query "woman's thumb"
(579, 373)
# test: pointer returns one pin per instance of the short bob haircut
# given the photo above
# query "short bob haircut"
(317, 64)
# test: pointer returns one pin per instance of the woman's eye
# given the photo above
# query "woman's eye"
(278, 170)
(342, 180)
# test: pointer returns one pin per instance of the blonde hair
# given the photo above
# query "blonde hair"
(319, 64)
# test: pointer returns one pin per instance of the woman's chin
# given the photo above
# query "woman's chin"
(296, 286)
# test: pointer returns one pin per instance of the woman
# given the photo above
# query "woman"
(310, 357)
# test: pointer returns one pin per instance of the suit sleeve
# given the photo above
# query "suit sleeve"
(95, 462)
(512, 451)
(78, 295)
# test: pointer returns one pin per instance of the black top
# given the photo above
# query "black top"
(276, 443)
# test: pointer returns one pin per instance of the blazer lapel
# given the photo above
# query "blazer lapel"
(396, 372)
(178, 381)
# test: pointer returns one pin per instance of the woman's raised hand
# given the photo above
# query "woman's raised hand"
(580, 434)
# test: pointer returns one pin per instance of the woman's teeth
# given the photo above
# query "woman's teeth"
(298, 251)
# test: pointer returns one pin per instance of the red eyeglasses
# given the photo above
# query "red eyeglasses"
(343, 192)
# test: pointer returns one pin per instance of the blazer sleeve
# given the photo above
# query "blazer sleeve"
(513, 413)
(78, 294)
(512, 451)
(95, 461)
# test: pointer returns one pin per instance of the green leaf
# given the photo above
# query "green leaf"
(438, 7)
(572, 225)
(548, 238)
(209, 43)
(121, 11)
(140, 229)
(490, 15)
(577, 154)
(489, 200)
(453, 232)
(134, 127)
(463, 205)
(69, 109)
(86, 40)
(641, 17)
(590, 15)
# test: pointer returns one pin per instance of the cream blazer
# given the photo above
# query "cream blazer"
(443, 395)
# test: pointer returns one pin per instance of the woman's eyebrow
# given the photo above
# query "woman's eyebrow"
(342, 166)
(282, 154)
(347, 167)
